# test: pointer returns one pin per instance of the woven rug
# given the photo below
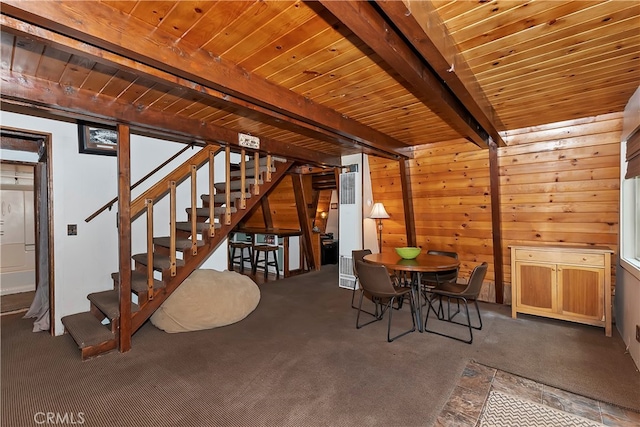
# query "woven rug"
(502, 409)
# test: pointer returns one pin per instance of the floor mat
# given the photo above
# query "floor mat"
(502, 409)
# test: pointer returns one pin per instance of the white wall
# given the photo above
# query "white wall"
(627, 297)
(84, 182)
(369, 226)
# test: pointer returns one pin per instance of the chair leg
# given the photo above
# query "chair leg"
(449, 319)
(353, 296)
(275, 260)
(375, 318)
(413, 319)
(266, 265)
(254, 266)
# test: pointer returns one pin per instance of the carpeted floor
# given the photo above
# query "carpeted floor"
(297, 360)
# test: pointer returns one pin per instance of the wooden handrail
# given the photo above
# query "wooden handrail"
(178, 174)
(111, 202)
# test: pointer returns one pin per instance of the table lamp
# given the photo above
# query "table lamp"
(378, 212)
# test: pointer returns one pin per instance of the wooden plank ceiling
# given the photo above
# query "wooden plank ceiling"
(323, 79)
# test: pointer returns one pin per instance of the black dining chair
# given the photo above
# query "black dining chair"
(358, 255)
(375, 281)
(430, 280)
(461, 293)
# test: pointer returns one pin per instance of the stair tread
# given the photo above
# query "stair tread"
(222, 197)
(109, 303)
(139, 282)
(263, 161)
(181, 244)
(161, 262)
(249, 171)
(200, 226)
(235, 185)
(218, 210)
(86, 330)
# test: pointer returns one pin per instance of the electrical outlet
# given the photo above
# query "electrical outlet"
(638, 333)
(72, 229)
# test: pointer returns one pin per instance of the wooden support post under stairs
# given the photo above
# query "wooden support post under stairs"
(124, 238)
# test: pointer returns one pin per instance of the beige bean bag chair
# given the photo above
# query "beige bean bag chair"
(207, 299)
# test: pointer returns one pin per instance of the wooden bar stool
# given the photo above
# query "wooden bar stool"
(240, 258)
(266, 250)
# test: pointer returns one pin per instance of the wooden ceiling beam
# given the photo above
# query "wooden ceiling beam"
(217, 98)
(421, 26)
(100, 25)
(371, 27)
(59, 100)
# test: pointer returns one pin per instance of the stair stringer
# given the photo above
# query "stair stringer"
(211, 244)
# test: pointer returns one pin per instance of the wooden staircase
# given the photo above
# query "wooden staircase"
(173, 258)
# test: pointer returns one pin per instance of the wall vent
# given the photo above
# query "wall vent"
(348, 188)
(346, 277)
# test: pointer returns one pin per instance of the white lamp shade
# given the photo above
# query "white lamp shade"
(378, 212)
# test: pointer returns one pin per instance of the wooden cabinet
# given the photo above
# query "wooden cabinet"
(568, 283)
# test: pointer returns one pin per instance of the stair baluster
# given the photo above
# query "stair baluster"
(194, 206)
(149, 205)
(243, 174)
(172, 231)
(227, 214)
(212, 228)
(256, 173)
(268, 176)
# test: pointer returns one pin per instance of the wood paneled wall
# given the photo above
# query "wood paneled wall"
(559, 185)
(282, 204)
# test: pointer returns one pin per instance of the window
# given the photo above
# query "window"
(635, 215)
(629, 217)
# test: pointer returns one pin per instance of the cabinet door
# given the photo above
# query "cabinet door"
(536, 290)
(581, 292)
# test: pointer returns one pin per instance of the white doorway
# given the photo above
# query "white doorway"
(26, 239)
(17, 229)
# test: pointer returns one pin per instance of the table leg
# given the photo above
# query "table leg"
(417, 278)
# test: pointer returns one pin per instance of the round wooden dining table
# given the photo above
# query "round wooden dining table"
(423, 263)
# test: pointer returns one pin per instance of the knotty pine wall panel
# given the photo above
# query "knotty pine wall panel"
(282, 205)
(559, 185)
